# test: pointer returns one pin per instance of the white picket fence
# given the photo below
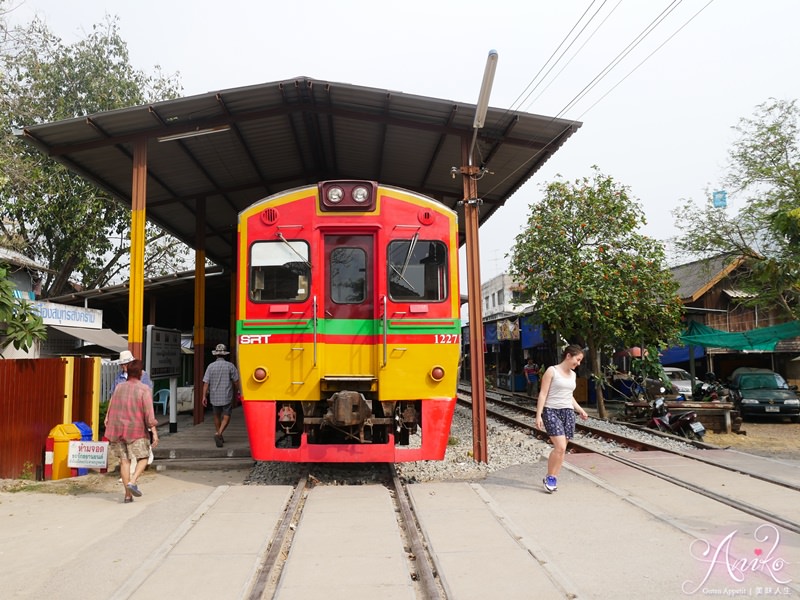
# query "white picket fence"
(108, 372)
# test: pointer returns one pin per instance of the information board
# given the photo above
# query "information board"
(162, 352)
(87, 455)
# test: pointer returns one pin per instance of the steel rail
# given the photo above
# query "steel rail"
(628, 442)
(425, 574)
(271, 566)
(541, 434)
(726, 500)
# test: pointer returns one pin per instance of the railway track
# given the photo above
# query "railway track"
(274, 560)
(518, 415)
(638, 527)
(280, 554)
(681, 468)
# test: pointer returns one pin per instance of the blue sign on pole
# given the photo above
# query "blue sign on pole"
(719, 199)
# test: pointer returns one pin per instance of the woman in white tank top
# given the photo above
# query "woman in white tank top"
(556, 408)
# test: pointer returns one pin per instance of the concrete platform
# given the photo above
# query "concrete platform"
(216, 551)
(608, 532)
(193, 447)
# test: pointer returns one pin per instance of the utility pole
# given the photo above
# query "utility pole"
(470, 175)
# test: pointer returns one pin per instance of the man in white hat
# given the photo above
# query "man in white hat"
(126, 357)
(219, 383)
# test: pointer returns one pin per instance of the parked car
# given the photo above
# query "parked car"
(761, 392)
(678, 382)
(681, 381)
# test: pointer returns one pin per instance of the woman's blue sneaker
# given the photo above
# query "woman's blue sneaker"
(550, 483)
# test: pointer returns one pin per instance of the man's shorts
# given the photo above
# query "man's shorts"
(135, 450)
(223, 410)
(559, 421)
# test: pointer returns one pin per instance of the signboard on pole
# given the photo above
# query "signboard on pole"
(162, 352)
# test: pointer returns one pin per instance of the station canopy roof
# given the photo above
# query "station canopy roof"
(236, 146)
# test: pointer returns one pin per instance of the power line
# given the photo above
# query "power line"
(535, 77)
(602, 75)
(520, 98)
(577, 52)
(575, 39)
(617, 59)
(646, 58)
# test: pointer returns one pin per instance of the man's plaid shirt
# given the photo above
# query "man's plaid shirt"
(130, 412)
(220, 377)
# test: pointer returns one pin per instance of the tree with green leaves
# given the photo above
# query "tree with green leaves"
(591, 276)
(20, 325)
(47, 212)
(763, 176)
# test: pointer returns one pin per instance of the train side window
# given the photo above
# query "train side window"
(348, 275)
(279, 271)
(417, 270)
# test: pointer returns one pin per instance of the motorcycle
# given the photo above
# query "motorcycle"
(710, 390)
(684, 424)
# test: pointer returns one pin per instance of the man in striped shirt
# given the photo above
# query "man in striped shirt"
(219, 384)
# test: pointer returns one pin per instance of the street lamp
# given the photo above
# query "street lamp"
(483, 98)
(471, 219)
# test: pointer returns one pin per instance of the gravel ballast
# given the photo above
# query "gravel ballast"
(507, 446)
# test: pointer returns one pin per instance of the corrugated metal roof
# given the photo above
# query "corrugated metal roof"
(697, 277)
(12, 257)
(172, 294)
(731, 293)
(291, 133)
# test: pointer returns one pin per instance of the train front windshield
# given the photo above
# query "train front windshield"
(279, 271)
(417, 270)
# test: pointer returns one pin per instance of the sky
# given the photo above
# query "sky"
(659, 118)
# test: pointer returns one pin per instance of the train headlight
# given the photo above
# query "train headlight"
(360, 194)
(437, 373)
(342, 195)
(335, 195)
(260, 374)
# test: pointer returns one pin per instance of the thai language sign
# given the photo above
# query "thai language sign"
(163, 352)
(87, 455)
(69, 316)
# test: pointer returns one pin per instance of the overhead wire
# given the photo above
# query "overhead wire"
(577, 52)
(603, 73)
(533, 84)
(645, 59)
(577, 36)
(621, 56)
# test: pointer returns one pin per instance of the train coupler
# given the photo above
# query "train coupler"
(407, 419)
(287, 417)
(348, 408)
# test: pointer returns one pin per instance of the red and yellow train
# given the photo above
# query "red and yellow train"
(348, 324)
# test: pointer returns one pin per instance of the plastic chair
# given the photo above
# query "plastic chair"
(161, 397)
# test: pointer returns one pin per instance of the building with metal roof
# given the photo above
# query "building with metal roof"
(211, 155)
(191, 165)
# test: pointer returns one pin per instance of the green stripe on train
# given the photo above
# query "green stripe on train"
(348, 326)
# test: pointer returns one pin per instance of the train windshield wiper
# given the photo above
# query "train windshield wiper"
(411, 247)
(300, 256)
(402, 273)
